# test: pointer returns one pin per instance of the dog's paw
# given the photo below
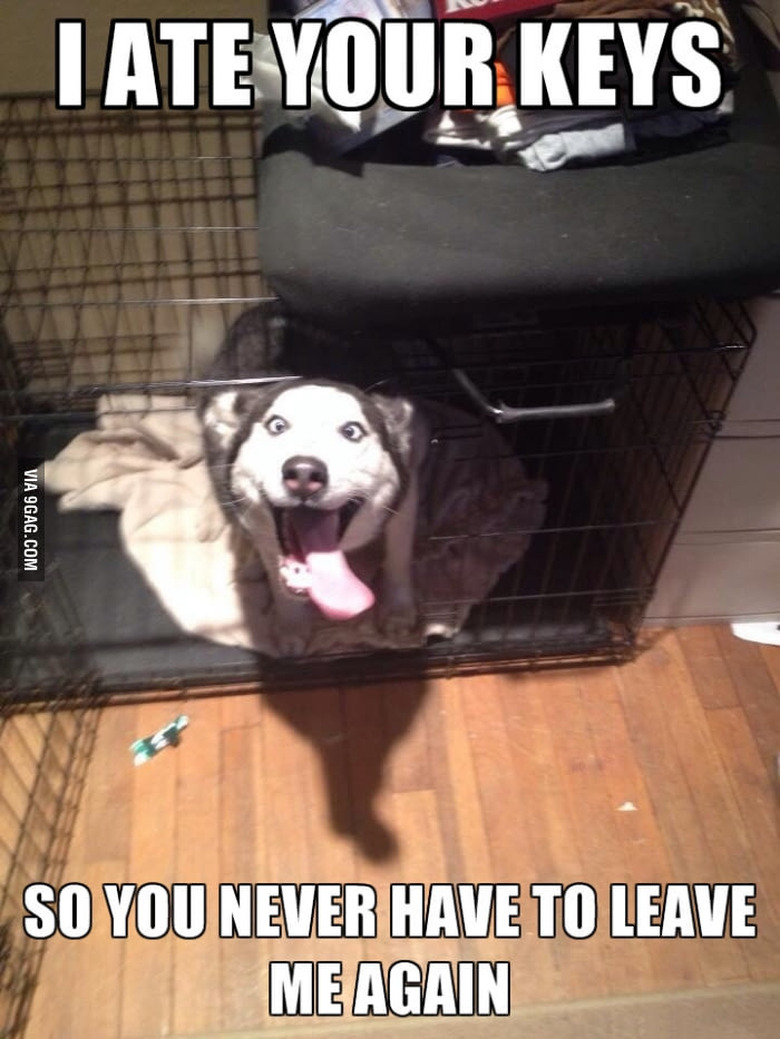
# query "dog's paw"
(396, 612)
(288, 644)
(437, 631)
(291, 627)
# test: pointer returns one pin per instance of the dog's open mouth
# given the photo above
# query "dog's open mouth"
(312, 563)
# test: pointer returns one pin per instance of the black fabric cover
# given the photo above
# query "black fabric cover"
(370, 245)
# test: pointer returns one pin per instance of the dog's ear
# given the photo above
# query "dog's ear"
(277, 330)
(225, 411)
(398, 416)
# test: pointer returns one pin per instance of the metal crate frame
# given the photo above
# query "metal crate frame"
(127, 231)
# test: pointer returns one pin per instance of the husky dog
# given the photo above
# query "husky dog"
(311, 469)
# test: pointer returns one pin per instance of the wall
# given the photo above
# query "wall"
(27, 39)
(725, 561)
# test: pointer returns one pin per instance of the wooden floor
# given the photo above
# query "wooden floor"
(662, 772)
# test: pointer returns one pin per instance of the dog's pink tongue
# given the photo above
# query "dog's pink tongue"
(334, 588)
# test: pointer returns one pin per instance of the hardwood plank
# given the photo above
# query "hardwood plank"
(757, 692)
(101, 828)
(508, 856)
(398, 834)
(196, 963)
(690, 793)
(405, 725)
(708, 669)
(461, 822)
(710, 787)
(560, 967)
(673, 964)
(286, 758)
(754, 792)
(503, 799)
(309, 783)
(368, 817)
(756, 797)
(595, 821)
(461, 825)
(59, 974)
(264, 838)
(61, 971)
(771, 658)
(648, 699)
(147, 981)
(421, 861)
(240, 710)
(240, 975)
(100, 957)
(326, 789)
(57, 1008)
(108, 799)
(372, 823)
(547, 821)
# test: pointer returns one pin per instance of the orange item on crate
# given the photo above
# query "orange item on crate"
(505, 88)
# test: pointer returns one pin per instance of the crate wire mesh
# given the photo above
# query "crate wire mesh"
(120, 227)
(126, 232)
(44, 756)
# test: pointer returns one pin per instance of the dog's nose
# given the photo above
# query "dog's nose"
(304, 476)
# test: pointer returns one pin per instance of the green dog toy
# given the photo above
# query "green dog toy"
(169, 736)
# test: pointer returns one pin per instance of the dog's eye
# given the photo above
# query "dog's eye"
(353, 431)
(276, 425)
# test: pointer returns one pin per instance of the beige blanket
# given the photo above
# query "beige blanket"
(145, 460)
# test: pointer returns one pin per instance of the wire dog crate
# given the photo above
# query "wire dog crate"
(44, 756)
(127, 231)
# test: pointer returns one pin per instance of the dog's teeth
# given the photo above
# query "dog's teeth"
(295, 575)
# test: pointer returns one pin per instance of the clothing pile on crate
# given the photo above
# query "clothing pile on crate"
(538, 138)
(545, 139)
